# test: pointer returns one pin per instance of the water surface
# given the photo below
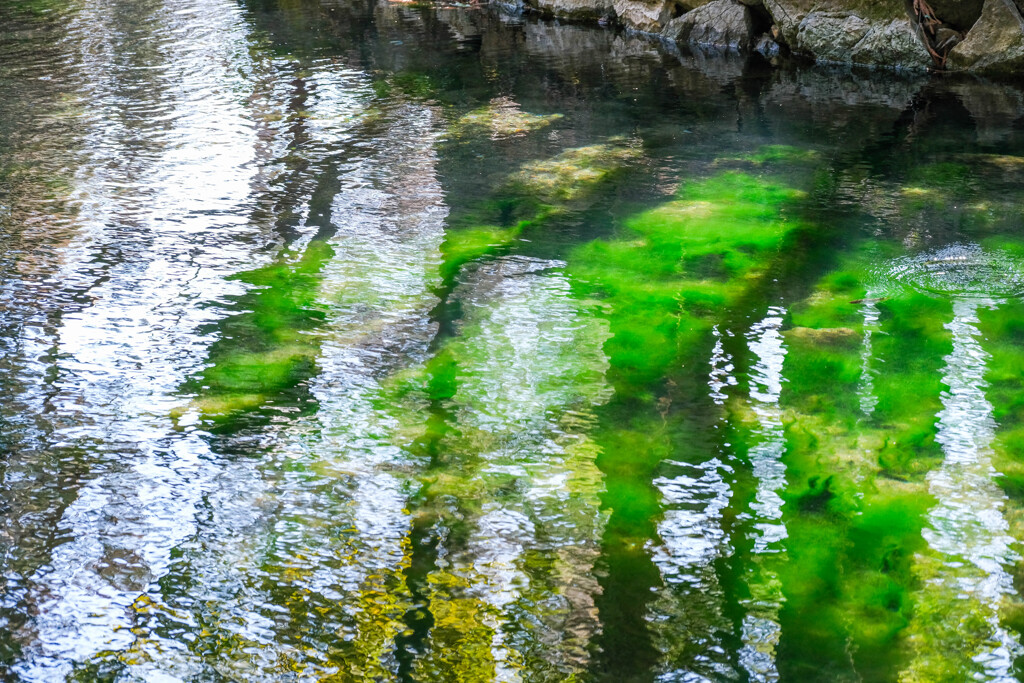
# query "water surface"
(351, 341)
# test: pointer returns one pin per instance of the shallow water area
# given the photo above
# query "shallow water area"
(387, 341)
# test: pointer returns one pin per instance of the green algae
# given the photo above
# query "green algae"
(461, 247)
(666, 280)
(271, 347)
(912, 344)
(943, 174)
(860, 492)
(854, 523)
(659, 306)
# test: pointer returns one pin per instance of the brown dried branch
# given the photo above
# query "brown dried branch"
(938, 38)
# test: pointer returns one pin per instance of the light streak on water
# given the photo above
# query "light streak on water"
(761, 631)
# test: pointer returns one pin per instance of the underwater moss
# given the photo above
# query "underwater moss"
(667, 280)
(464, 246)
(783, 155)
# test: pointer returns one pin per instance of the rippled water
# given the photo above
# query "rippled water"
(426, 342)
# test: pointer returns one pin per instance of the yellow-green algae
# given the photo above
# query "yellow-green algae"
(771, 155)
(540, 191)
(574, 173)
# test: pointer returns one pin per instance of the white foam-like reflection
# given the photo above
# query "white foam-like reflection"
(694, 495)
(324, 519)
(968, 521)
(760, 629)
(125, 352)
(721, 376)
(692, 534)
(532, 366)
(866, 387)
(164, 193)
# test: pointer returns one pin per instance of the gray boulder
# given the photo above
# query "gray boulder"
(830, 36)
(995, 44)
(724, 24)
(877, 33)
(649, 16)
(894, 44)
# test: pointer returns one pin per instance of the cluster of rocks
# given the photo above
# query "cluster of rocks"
(969, 35)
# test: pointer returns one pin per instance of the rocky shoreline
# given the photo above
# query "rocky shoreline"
(980, 36)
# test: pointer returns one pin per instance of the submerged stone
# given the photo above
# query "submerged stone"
(830, 336)
(573, 174)
(504, 118)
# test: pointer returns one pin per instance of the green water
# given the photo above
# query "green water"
(414, 342)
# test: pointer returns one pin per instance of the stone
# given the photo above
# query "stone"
(895, 45)
(725, 24)
(829, 36)
(862, 32)
(649, 17)
(869, 32)
(829, 336)
(574, 9)
(995, 44)
(809, 26)
(767, 47)
(787, 15)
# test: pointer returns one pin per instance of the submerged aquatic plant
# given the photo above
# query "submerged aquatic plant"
(919, 545)
(269, 348)
(667, 282)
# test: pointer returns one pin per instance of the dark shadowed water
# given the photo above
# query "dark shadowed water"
(375, 341)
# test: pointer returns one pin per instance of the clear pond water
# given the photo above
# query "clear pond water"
(377, 341)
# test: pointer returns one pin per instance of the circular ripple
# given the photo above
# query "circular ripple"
(961, 270)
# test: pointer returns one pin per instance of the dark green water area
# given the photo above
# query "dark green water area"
(379, 341)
